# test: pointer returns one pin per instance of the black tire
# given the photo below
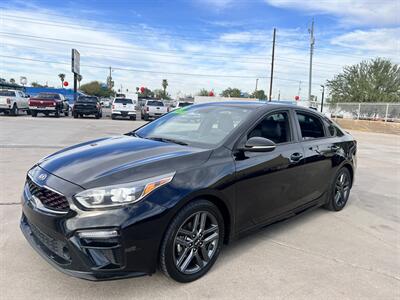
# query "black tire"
(133, 118)
(34, 113)
(112, 117)
(28, 112)
(75, 115)
(56, 114)
(339, 192)
(146, 117)
(195, 246)
(14, 110)
(97, 116)
(66, 113)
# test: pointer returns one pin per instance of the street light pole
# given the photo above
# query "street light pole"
(322, 98)
(256, 85)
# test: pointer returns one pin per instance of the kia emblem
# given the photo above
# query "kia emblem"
(42, 176)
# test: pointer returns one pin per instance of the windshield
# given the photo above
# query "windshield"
(48, 96)
(7, 93)
(184, 104)
(87, 99)
(123, 101)
(196, 125)
(154, 103)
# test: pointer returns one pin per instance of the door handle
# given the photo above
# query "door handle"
(296, 156)
(335, 148)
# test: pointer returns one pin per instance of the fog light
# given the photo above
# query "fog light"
(98, 234)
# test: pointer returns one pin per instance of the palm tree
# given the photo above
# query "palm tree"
(79, 78)
(164, 85)
(62, 77)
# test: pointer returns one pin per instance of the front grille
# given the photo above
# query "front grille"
(57, 247)
(49, 199)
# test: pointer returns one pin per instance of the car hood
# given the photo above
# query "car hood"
(120, 159)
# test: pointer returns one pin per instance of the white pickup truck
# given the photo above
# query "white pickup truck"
(13, 101)
(153, 109)
(123, 107)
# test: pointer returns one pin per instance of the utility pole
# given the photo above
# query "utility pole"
(322, 97)
(109, 80)
(312, 41)
(256, 85)
(272, 65)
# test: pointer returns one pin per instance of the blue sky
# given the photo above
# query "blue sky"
(212, 44)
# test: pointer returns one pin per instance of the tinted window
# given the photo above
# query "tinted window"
(7, 93)
(333, 129)
(48, 96)
(311, 126)
(155, 103)
(123, 101)
(183, 104)
(274, 127)
(88, 99)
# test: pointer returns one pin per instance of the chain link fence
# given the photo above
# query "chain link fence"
(387, 112)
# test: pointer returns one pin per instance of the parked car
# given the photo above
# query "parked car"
(105, 102)
(170, 193)
(87, 105)
(49, 103)
(153, 109)
(13, 101)
(123, 107)
(181, 104)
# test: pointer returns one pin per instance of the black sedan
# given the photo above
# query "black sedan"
(172, 192)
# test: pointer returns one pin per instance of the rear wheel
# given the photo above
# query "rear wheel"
(146, 117)
(133, 118)
(340, 190)
(97, 115)
(14, 110)
(66, 113)
(57, 114)
(75, 115)
(34, 113)
(112, 117)
(192, 242)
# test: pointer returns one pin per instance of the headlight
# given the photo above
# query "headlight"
(121, 194)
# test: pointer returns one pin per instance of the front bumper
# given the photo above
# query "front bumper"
(56, 237)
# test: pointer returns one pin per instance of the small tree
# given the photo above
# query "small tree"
(62, 78)
(232, 92)
(35, 84)
(377, 80)
(95, 88)
(12, 80)
(203, 92)
(259, 94)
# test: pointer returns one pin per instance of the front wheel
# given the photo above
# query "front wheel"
(340, 190)
(192, 242)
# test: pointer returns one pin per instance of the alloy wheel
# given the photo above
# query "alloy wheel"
(342, 189)
(196, 242)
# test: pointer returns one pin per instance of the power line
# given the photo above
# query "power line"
(97, 46)
(148, 71)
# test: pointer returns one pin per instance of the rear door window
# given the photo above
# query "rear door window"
(311, 126)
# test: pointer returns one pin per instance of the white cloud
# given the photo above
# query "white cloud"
(146, 48)
(383, 40)
(370, 12)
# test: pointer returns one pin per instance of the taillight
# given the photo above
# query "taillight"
(29, 102)
(8, 101)
(168, 109)
(147, 108)
(113, 106)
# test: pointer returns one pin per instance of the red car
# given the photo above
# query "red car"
(49, 103)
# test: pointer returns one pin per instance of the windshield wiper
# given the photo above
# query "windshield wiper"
(167, 140)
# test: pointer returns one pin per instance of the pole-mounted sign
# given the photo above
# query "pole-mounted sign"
(75, 68)
(76, 62)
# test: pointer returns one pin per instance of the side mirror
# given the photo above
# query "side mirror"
(259, 144)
